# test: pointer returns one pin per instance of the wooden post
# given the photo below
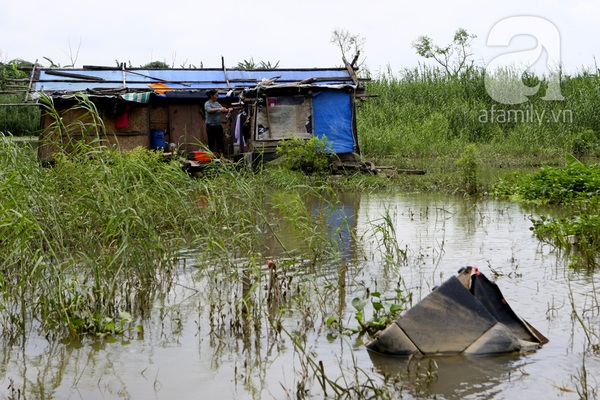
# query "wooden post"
(225, 72)
(30, 81)
(350, 70)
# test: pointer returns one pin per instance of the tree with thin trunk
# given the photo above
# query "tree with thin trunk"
(454, 57)
(350, 45)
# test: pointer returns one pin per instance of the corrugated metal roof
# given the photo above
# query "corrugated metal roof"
(103, 78)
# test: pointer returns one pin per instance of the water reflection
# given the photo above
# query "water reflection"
(208, 337)
(443, 233)
(450, 377)
(334, 213)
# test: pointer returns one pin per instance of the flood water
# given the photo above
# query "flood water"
(194, 347)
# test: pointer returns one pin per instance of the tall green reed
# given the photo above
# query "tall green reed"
(84, 239)
(92, 242)
(424, 113)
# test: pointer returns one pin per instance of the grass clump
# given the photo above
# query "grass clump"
(576, 186)
(578, 236)
(80, 238)
(18, 120)
(77, 237)
(573, 184)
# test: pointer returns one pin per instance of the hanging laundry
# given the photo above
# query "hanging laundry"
(122, 120)
(238, 131)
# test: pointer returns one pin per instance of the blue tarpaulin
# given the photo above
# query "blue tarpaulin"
(72, 80)
(332, 115)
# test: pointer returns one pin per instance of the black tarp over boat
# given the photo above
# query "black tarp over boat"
(467, 314)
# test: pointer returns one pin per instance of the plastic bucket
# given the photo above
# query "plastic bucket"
(157, 139)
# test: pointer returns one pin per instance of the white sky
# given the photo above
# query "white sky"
(297, 34)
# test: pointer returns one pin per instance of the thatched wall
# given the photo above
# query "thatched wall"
(183, 123)
(80, 125)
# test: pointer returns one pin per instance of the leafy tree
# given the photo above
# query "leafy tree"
(453, 57)
(156, 65)
(15, 69)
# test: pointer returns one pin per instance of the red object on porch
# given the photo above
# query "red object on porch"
(203, 156)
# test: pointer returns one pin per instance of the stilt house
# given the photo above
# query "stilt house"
(164, 108)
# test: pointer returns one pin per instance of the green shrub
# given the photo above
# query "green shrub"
(309, 156)
(555, 185)
(468, 166)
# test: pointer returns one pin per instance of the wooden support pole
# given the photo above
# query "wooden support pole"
(351, 71)
(225, 71)
(30, 81)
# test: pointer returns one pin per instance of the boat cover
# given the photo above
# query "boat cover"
(467, 314)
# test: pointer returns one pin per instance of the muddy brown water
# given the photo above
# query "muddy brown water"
(184, 356)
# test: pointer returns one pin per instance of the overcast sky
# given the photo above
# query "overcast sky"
(295, 34)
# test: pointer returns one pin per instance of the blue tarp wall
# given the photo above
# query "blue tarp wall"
(332, 115)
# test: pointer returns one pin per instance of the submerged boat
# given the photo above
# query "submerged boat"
(467, 314)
